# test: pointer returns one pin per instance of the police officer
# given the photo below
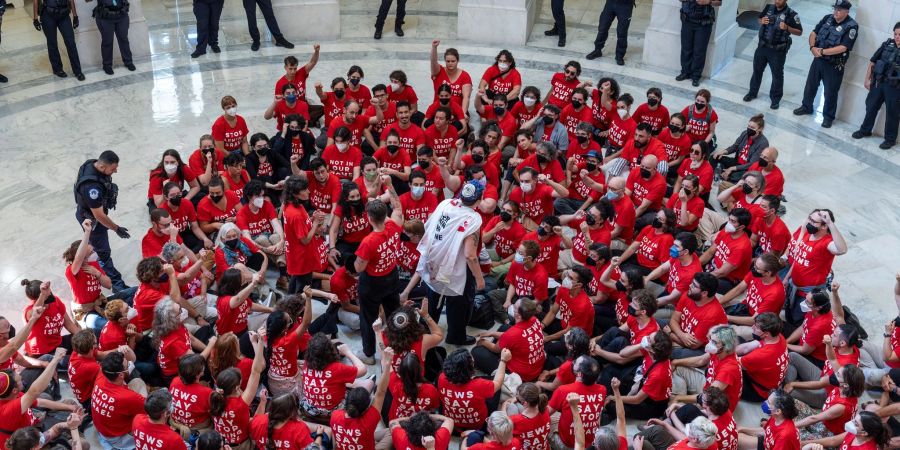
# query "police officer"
(207, 13)
(883, 83)
(266, 7)
(95, 195)
(613, 9)
(559, 22)
(697, 18)
(54, 15)
(830, 43)
(777, 23)
(382, 16)
(112, 17)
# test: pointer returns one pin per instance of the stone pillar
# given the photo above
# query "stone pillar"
(87, 36)
(303, 20)
(662, 41)
(876, 20)
(496, 21)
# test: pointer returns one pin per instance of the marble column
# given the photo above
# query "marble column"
(496, 21)
(662, 41)
(303, 20)
(87, 36)
(876, 20)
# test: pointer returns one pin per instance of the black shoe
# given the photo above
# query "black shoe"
(197, 53)
(377, 33)
(79, 76)
(254, 46)
(620, 61)
(108, 70)
(561, 42)
(682, 77)
(398, 31)
(859, 134)
(886, 145)
(60, 73)
(774, 105)
(470, 340)
(594, 54)
(215, 48)
(826, 123)
(801, 111)
(282, 42)
(3, 79)
(749, 97)
(130, 67)
(552, 32)
(695, 82)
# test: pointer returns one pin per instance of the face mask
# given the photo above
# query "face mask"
(805, 307)
(404, 237)
(338, 93)
(417, 191)
(444, 101)
(425, 164)
(175, 201)
(395, 87)
(674, 252)
(163, 278)
(547, 120)
(811, 229)
(590, 220)
(370, 176)
(612, 196)
(503, 66)
(699, 106)
(231, 111)
(541, 159)
(505, 216)
(590, 261)
(756, 273)
(832, 380)
(215, 198)
(183, 315)
(567, 283)
(622, 113)
(529, 101)
(577, 104)
(170, 168)
(355, 81)
(393, 149)
(751, 132)
(645, 173)
(747, 189)
(132, 313)
(694, 296)
(763, 163)
(477, 158)
(291, 98)
(259, 201)
(341, 146)
(582, 139)
(645, 342)
(526, 187)
(850, 427)
(232, 243)
(620, 286)
(184, 261)
(519, 258)
(631, 311)
(674, 129)
(656, 223)
(541, 231)
(730, 228)
(93, 257)
(765, 409)
(499, 110)
(711, 348)
(262, 151)
(653, 102)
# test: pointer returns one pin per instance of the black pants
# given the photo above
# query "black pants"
(99, 239)
(694, 42)
(620, 10)
(374, 293)
(775, 60)
(50, 24)
(383, 12)
(298, 282)
(119, 27)
(207, 14)
(459, 310)
(889, 96)
(647, 409)
(559, 17)
(831, 76)
(266, 7)
(485, 360)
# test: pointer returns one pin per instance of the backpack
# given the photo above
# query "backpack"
(482, 313)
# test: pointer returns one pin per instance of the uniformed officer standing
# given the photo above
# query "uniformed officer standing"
(697, 18)
(112, 18)
(830, 43)
(95, 195)
(619, 10)
(883, 83)
(559, 22)
(266, 7)
(778, 22)
(207, 13)
(53, 15)
(383, 11)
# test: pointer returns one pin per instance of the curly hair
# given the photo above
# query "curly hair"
(165, 318)
(321, 352)
(577, 342)
(459, 367)
(418, 426)
(404, 329)
(149, 269)
(357, 402)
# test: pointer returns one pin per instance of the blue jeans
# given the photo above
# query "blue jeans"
(124, 442)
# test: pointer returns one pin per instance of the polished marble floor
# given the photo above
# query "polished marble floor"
(48, 126)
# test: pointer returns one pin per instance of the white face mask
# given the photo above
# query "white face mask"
(417, 191)
(850, 427)
(645, 342)
(341, 146)
(622, 113)
(184, 261)
(170, 168)
(503, 66)
(259, 201)
(529, 101)
(526, 187)
(184, 315)
(805, 307)
(395, 87)
(93, 257)
(519, 258)
(231, 111)
(132, 313)
(567, 283)
(730, 228)
(711, 348)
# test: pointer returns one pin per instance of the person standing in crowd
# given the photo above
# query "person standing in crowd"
(266, 7)
(95, 195)
(207, 13)
(620, 10)
(112, 18)
(697, 19)
(777, 23)
(53, 15)
(382, 16)
(830, 44)
(3, 79)
(559, 22)
(883, 83)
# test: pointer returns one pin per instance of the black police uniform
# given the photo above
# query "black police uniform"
(112, 18)
(828, 69)
(265, 6)
(559, 20)
(94, 189)
(54, 15)
(207, 13)
(885, 89)
(619, 10)
(774, 44)
(2, 10)
(383, 12)
(696, 28)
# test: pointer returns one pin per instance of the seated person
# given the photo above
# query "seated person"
(551, 240)
(679, 270)
(778, 431)
(160, 232)
(765, 293)
(258, 222)
(621, 347)
(651, 247)
(839, 408)
(217, 208)
(729, 259)
(713, 405)
(325, 377)
(764, 361)
(571, 309)
(647, 188)
(535, 195)
(696, 313)
(523, 340)
(458, 381)
(421, 430)
(809, 339)
(649, 393)
(718, 367)
(593, 397)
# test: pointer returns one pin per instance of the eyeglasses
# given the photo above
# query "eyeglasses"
(696, 152)
(574, 74)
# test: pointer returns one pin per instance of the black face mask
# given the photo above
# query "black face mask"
(547, 120)
(653, 102)
(357, 204)
(620, 286)
(541, 231)
(590, 220)
(756, 273)
(631, 311)
(477, 158)
(590, 167)
(404, 237)
(747, 189)
(232, 244)
(832, 380)
(425, 164)
(645, 173)
(699, 106)
(897, 322)
(393, 148)
(577, 104)
(499, 110)
(444, 101)
(751, 132)
(339, 93)
(175, 201)
(674, 129)
(593, 262)
(763, 163)
(811, 229)
(541, 159)
(262, 151)
(582, 139)
(355, 81)
(505, 216)
(216, 198)
(656, 223)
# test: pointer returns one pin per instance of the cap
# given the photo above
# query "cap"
(592, 154)
(471, 192)
(843, 4)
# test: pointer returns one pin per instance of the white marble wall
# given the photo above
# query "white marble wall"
(504, 22)
(301, 20)
(876, 20)
(662, 40)
(87, 36)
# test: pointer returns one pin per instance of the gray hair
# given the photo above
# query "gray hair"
(703, 431)
(606, 439)
(727, 337)
(585, 126)
(166, 319)
(500, 427)
(758, 176)
(223, 231)
(170, 251)
(549, 147)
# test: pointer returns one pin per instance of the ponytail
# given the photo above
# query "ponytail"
(217, 403)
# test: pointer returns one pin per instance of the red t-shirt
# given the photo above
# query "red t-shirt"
(466, 403)
(356, 128)
(259, 222)
(704, 172)
(625, 217)
(772, 238)
(418, 209)
(407, 94)
(761, 298)
(532, 432)
(636, 333)
(83, 371)
(653, 189)
(234, 423)
(358, 433)
(695, 206)
(680, 275)
(397, 161)
(389, 114)
(198, 161)
(408, 256)
(633, 155)
(183, 217)
(353, 228)
(602, 234)
(553, 169)
(380, 248)
(501, 84)
(570, 118)
(658, 382)
(411, 138)
(456, 87)
(781, 437)
(847, 444)
(737, 252)
(653, 247)
(207, 211)
(232, 320)
(401, 440)
(171, 348)
(767, 365)
(191, 403)
(149, 435)
(561, 90)
(231, 137)
(620, 131)
(152, 244)
(810, 260)
(515, 444)
(774, 179)
(341, 163)
(727, 435)
(726, 371)
(577, 311)
(815, 328)
(836, 425)
(344, 286)
(113, 408)
(536, 204)
(684, 445)
(442, 144)
(601, 116)
(158, 179)
(12, 416)
(85, 287)
(525, 340)
(697, 320)
(299, 82)
(296, 226)
(507, 241)
(675, 147)
(292, 435)
(658, 119)
(46, 334)
(282, 110)
(363, 95)
(698, 123)
(322, 195)
(580, 191)
(522, 114)
(285, 352)
(145, 299)
(326, 388)
(592, 400)
(427, 399)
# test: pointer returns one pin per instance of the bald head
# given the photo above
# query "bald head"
(617, 183)
(770, 154)
(649, 163)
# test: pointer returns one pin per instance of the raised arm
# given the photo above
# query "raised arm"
(81, 253)
(387, 355)
(435, 66)
(42, 381)
(259, 365)
(313, 60)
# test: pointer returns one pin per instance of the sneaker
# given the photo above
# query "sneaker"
(886, 145)
(801, 111)
(197, 53)
(254, 46)
(215, 48)
(282, 42)
(859, 134)
(749, 97)
(367, 360)
(79, 76)
(594, 54)
(682, 77)
(60, 73)
(130, 67)
(552, 32)
(826, 123)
